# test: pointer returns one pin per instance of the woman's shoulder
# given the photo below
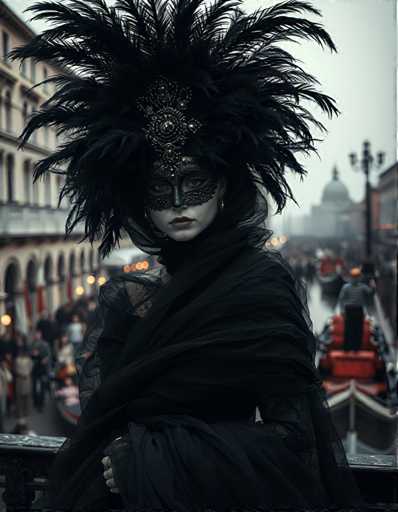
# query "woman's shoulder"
(270, 263)
(130, 293)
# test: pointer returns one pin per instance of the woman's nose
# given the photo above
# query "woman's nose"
(178, 196)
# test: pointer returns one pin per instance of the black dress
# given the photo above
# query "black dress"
(178, 370)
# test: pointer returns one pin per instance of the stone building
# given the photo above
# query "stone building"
(39, 268)
(388, 190)
(330, 219)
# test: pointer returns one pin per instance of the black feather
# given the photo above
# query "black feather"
(251, 96)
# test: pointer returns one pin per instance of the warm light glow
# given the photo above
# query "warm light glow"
(6, 320)
(140, 265)
(283, 239)
(101, 280)
(90, 279)
(79, 290)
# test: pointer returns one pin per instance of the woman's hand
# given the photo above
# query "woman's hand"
(108, 475)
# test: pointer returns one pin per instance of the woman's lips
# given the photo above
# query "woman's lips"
(181, 220)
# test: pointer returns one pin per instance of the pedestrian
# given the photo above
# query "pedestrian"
(5, 380)
(48, 328)
(23, 387)
(186, 115)
(41, 357)
(75, 332)
(65, 352)
(65, 358)
(356, 292)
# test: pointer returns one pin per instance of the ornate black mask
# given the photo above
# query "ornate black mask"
(190, 185)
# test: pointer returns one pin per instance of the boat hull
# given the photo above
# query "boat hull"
(374, 422)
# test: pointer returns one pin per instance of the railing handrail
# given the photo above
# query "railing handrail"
(51, 444)
(25, 461)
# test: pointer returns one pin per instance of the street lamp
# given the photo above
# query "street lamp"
(366, 165)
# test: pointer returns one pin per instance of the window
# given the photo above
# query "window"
(2, 177)
(47, 189)
(27, 178)
(10, 179)
(60, 183)
(24, 68)
(46, 135)
(6, 46)
(33, 137)
(8, 111)
(25, 113)
(33, 70)
(35, 189)
(45, 77)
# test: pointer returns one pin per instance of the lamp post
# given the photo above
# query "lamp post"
(365, 165)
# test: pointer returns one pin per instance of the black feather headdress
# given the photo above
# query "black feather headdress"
(249, 96)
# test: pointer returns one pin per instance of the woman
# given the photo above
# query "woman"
(182, 117)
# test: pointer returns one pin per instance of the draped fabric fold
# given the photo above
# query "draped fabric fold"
(227, 333)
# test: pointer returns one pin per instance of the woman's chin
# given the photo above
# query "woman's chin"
(184, 235)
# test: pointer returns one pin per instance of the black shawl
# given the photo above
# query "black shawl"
(227, 333)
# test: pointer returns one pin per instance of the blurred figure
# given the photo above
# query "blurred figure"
(65, 353)
(70, 392)
(75, 332)
(91, 311)
(8, 348)
(41, 355)
(356, 292)
(23, 388)
(63, 315)
(65, 359)
(5, 379)
(48, 328)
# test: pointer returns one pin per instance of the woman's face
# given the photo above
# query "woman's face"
(182, 205)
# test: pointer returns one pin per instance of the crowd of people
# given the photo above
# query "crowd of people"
(28, 362)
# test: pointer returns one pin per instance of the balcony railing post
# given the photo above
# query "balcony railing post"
(18, 495)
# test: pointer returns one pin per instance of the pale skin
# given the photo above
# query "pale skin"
(202, 216)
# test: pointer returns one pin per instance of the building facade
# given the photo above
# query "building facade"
(39, 268)
(388, 217)
(329, 219)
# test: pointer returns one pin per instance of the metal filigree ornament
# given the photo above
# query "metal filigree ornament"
(169, 127)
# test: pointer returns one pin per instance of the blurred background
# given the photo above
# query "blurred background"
(340, 237)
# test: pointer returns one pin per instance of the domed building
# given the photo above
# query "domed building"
(336, 193)
(331, 217)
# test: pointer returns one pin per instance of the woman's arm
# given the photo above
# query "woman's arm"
(289, 418)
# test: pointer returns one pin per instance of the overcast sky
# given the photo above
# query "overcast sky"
(361, 77)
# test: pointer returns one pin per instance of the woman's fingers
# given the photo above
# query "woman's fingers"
(106, 461)
(108, 475)
(111, 483)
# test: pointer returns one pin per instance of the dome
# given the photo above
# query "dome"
(335, 191)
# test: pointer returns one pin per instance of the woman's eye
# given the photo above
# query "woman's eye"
(195, 182)
(159, 188)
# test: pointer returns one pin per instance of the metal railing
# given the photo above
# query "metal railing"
(25, 463)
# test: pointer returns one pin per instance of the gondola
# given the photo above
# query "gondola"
(358, 371)
(329, 274)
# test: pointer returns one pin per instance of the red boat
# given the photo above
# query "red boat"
(330, 273)
(358, 372)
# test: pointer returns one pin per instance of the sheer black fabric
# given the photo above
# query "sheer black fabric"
(180, 384)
